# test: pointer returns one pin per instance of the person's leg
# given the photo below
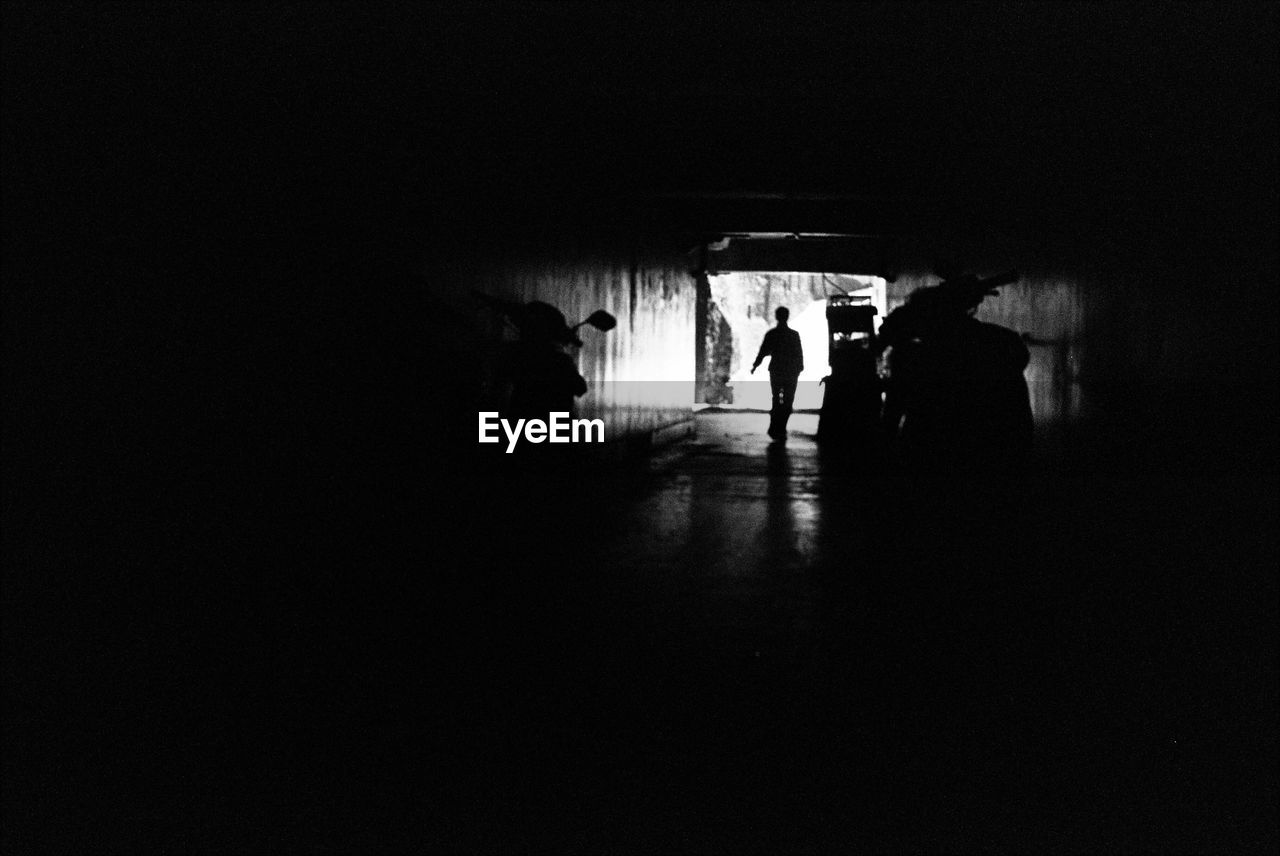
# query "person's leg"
(776, 391)
(787, 397)
(789, 394)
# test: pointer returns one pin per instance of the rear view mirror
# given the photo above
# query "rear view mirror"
(601, 320)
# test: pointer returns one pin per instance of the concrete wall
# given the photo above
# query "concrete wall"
(1054, 304)
(640, 375)
(1151, 328)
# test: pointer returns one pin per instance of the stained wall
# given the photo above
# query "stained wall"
(1151, 328)
(640, 375)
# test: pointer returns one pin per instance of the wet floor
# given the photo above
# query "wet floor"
(736, 646)
(761, 647)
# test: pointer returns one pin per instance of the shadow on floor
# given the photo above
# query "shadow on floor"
(733, 648)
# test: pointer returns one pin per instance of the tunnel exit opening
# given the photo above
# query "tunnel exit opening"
(739, 308)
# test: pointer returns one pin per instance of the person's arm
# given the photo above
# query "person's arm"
(766, 348)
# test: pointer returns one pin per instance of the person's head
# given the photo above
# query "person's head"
(940, 304)
(782, 314)
(542, 323)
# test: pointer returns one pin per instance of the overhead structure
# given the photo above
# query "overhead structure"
(797, 233)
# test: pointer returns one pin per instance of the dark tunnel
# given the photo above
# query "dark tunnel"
(266, 267)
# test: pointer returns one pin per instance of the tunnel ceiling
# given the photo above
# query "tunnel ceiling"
(771, 214)
(824, 255)
(1002, 103)
(440, 110)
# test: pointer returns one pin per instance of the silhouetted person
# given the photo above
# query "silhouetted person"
(786, 361)
(544, 377)
(956, 395)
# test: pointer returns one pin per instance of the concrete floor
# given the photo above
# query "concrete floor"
(751, 647)
(737, 646)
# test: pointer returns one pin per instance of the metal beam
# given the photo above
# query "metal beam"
(837, 254)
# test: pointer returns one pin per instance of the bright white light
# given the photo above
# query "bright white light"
(808, 318)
